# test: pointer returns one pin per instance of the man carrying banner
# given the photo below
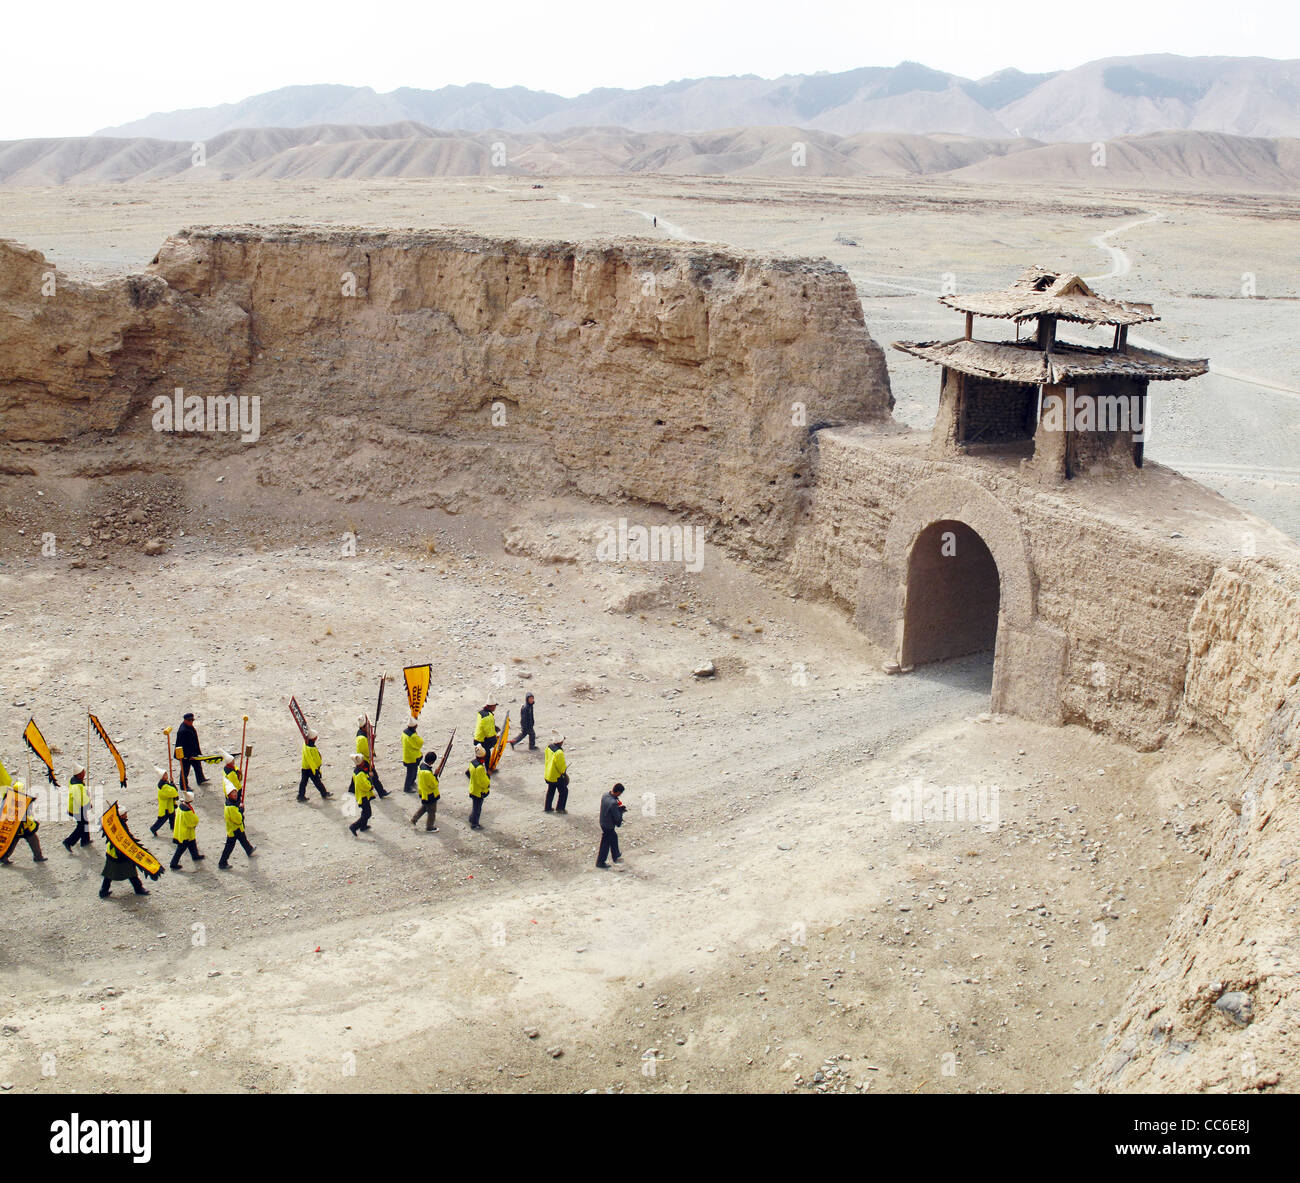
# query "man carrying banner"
(27, 828)
(78, 809)
(412, 746)
(187, 740)
(119, 868)
(485, 727)
(480, 784)
(427, 780)
(234, 829)
(363, 749)
(184, 832)
(311, 766)
(362, 790)
(167, 797)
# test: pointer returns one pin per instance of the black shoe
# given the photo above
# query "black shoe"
(103, 895)
(431, 830)
(352, 830)
(603, 866)
(547, 809)
(142, 891)
(326, 796)
(618, 858)
(474, 827)
(302, 797)
(561, 811)
(252, 850)
(173, 866)
(223, 866)
(40, 858)
(198, 858)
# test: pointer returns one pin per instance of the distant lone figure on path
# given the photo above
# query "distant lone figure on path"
(611, 817)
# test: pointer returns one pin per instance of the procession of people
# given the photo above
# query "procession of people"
(126, 860)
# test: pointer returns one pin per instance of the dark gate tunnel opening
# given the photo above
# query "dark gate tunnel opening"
(953, 595)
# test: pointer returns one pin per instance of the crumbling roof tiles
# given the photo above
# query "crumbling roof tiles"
(1039, 292)
(1023, 361)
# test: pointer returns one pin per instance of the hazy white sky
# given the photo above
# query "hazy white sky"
(70, 69)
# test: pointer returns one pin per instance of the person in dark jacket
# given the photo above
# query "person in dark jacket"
(187, 739)
(526, 725)
(611, 817)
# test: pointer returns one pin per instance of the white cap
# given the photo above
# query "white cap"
(362, 719)
(226, 757)
(160, 771)
(311, 734)
(189, 795)
(556, 737)
(78, 768)
(479, 750)
(358, 758)
(414, 722)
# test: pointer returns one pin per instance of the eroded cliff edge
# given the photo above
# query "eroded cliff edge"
(681, 377)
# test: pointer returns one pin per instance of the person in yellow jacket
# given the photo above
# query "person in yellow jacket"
(167, 798)
(363, 749)
(117, 867)
(427, 781)
(184, 832)
(311, 766)
(78, 809)
(485, 727)
(27, 831)
(555, 771)
(230, 770)
(234, 829)
(412, 746)
(362, 790)
(480, 784)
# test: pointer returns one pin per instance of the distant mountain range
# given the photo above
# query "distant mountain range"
(1100, 100)
(1157, 160)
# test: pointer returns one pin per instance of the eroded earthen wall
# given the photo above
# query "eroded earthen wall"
(1217, 1008)
(678, 376)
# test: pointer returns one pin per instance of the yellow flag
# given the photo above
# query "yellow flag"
(11, 817)
(116, 832)
(36, 741)
(5, 778)
(417, 686)
(121, 768)
(494, 756)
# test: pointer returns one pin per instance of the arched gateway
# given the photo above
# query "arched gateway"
(955, 578)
